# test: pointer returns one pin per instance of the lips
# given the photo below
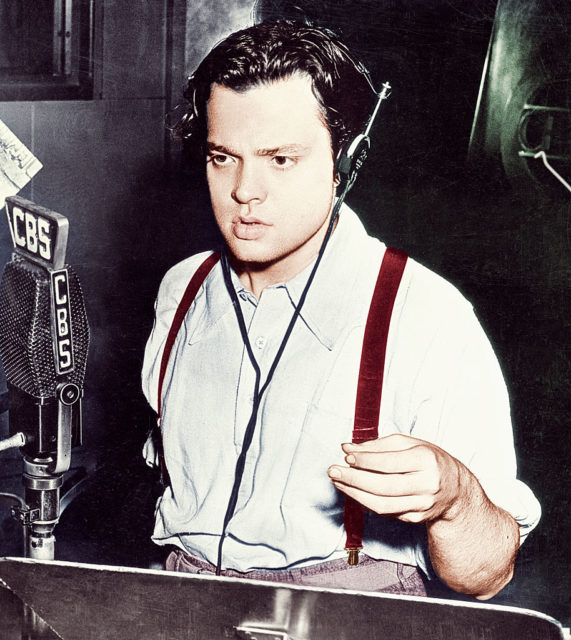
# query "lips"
(248, 228)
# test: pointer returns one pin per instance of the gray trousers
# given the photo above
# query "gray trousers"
(368, 575)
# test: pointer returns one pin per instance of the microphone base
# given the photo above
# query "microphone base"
(40, 545)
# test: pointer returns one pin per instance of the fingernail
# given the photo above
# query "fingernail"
(350, 459)
(334, 473)
(348, 446)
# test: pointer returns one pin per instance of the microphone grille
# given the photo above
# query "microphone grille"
(26, 337)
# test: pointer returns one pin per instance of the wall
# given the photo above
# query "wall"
(103, 163)
(96, 155)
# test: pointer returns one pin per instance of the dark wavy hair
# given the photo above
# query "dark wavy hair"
(276, 50)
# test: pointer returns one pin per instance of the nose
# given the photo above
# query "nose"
(249, 187)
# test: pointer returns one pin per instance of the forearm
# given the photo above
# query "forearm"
(474, 544)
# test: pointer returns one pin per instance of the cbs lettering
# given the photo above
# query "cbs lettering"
(32, 233)
(62, 322)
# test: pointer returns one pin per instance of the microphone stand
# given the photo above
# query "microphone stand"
(42, 477)
(43, 348)
(43, 472)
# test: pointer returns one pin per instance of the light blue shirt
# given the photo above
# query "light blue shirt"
(442, 384)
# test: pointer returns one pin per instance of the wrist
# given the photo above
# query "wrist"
(466, 496)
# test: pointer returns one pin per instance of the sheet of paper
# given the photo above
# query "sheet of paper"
(18, 165)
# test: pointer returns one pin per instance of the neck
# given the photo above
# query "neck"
(256, 276)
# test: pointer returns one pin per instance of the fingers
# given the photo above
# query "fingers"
(396, 476)
(394, 442)
(392, 454)
(384, 484)
(412, 509)
(407, 461)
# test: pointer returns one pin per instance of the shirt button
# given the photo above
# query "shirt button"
(260, 342)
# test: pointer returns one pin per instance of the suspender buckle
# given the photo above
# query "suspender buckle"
(353, 557)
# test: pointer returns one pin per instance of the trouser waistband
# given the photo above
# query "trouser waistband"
(369, 575)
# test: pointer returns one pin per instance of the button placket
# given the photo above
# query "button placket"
(270, 318)
(247, 376)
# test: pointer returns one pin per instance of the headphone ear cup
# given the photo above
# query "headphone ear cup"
(342, 165)
(350, 159)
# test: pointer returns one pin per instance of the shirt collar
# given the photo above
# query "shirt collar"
(328, 304)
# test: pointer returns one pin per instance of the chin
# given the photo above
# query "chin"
(255, 258)
(246, 252)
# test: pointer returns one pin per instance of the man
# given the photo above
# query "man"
(257, 395)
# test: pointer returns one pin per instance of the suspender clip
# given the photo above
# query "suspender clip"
(353, 557)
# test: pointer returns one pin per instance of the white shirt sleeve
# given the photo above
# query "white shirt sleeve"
(458, 398)
(484, 441)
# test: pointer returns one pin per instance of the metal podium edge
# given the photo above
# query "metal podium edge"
(214, 579)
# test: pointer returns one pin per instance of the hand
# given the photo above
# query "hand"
(403, 477)
(151, 452)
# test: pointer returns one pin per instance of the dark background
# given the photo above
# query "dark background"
(469, 208)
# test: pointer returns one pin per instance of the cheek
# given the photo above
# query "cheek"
(324, 180)
(313, 183)
(218, 189)
(318, 188)
(322, 168)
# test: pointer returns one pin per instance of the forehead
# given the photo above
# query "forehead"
(283, 108)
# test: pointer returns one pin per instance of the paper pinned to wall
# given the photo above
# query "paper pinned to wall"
(18, 165)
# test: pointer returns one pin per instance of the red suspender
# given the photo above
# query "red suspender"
(370, 384)
(183, 307)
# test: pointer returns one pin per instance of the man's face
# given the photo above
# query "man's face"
(270, 175)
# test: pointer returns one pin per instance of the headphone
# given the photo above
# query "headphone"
(353, 154)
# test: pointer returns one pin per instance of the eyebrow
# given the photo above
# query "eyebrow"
(282, 150)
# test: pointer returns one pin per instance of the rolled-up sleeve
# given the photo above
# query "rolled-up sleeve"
(458, 397)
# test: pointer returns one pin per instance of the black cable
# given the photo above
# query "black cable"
(258, 392)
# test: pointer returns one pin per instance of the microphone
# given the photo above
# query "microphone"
(44, 339)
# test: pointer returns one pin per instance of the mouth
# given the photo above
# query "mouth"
(248, 228)
(247, 220)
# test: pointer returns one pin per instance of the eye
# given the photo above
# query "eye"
(283, 162)
(220, 160)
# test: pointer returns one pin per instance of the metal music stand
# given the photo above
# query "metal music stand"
(77, 601)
